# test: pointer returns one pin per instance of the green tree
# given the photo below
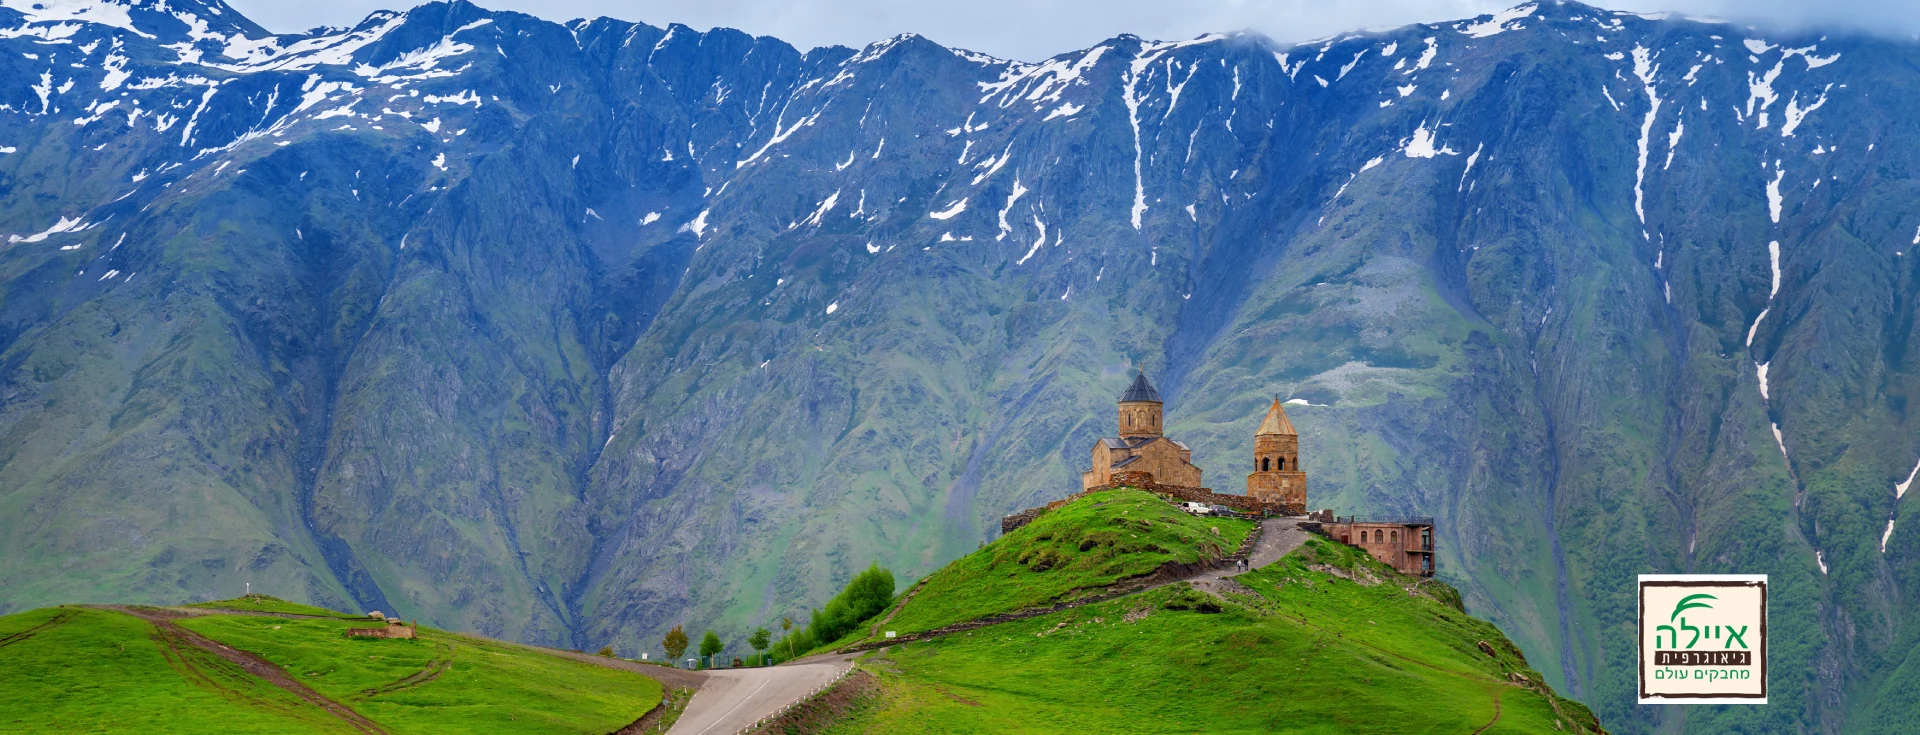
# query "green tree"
(606, 651)
(786, 631)
(865, 596)
(760, 639)
(711, 645)
(675, 643)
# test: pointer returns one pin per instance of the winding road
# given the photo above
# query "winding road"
(732, 699)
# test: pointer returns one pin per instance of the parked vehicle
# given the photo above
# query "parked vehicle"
(1198, 509)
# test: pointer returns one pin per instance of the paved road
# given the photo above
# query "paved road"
(732, 699)
(1278, 536)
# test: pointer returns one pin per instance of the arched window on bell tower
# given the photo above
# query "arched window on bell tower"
(1283, 464)
(1265, 463)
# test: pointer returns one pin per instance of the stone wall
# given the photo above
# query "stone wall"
(1009, 523)
(393, 629)
(1182, 493)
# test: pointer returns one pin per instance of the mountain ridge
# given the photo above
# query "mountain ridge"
(611, 326)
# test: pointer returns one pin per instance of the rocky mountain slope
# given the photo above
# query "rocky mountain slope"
(567, 333)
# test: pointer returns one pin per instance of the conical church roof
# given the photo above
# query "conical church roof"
(1141, 390)
(1276, 421)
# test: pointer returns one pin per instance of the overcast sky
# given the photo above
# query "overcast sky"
(1036, 29)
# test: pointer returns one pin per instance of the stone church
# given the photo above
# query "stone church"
(1142, 447)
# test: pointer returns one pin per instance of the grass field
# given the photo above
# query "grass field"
(1324, 641)
(98, 671)
(270, 604)
(103, 671)
(1084, 545)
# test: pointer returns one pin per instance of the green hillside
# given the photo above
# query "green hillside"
(1085, 545)
(73, 669)
(1324, 640)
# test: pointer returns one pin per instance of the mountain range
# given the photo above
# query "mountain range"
(569, 333)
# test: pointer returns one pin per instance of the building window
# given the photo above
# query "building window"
(1376, 536)
(1283, 464)
(1264, 463)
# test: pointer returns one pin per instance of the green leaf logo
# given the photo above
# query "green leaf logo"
(1690, 602)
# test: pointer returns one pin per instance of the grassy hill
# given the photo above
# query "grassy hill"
(1080, 547)
(1325, 640)
(71, 669)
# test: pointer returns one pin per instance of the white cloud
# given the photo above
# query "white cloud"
(1045, 29)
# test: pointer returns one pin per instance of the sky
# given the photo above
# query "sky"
(1037, 29)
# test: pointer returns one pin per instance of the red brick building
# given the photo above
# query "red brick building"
(1406, 544)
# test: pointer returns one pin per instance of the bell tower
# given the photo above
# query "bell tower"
(1140, 409)
(1277, 477)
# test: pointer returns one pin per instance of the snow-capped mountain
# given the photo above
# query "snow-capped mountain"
(569, 333)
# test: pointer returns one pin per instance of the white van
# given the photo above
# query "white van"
(1198, 509)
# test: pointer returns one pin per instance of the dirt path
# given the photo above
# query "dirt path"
(669, 677)
(875, 630)
(174, 635)
(433, 670)
(734, 699)
(1496, 713)
(57, 620)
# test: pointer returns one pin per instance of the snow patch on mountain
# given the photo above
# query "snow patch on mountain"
(64, 225)
(1796, 114)
(825, 206)
(1644, 69)
(1775, 200)
(951, 210)
(1420, 145)
(1501, 22)
(1037, 241)
(78, 11)
(1673, 138)
(1014, 196)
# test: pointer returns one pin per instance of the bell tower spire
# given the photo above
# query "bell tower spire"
(1277, 477)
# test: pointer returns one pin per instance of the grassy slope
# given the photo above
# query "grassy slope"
(1089, 543)
(102, 671)
(1306, 651)
(270, 604)
(485, 687)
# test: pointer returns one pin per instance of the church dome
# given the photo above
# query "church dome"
(1141, 390)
